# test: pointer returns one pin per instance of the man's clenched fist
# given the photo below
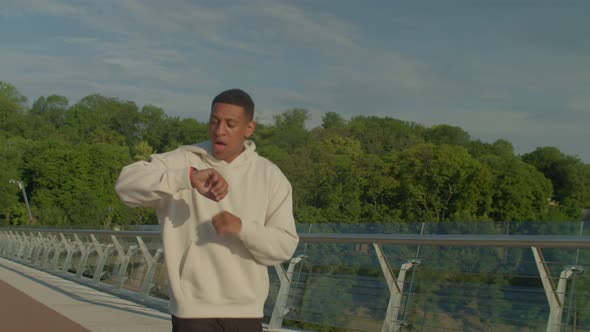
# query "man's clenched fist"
(226, 223)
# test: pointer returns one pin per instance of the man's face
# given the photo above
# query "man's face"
(228, 129)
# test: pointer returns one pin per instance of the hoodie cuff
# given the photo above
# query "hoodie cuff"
(247, 230)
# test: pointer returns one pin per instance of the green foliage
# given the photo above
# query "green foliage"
(12, 206)
(519, 192)
(11, 101)
(445, 134)
(382, 135)
(142, 151)
(52, 108)
(366, 169)
(289, 130)
(500, 148)
(568, 175)
(437, 182)
(332, 120)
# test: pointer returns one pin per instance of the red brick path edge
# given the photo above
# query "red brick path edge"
(21, 313)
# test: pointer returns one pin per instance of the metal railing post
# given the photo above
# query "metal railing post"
(31, 243)
(102, 257)
(280, 308)
(49, 247)
(391, 323)
(123, 268)
(70, 252)
(20, 237)
(555, 297)
(59, 248)
(151, 261)
(14, 244)
(39, 249)
(85, 251)
(121, 264)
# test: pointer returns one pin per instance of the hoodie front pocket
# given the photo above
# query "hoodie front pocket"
(210, 274)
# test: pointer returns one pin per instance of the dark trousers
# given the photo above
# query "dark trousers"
(216, 324)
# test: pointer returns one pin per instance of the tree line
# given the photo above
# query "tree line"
(364, 169)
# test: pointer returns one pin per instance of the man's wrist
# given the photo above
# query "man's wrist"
(191, 171)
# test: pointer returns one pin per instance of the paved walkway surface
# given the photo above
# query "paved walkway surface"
(33, 300)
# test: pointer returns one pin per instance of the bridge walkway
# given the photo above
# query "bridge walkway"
(33, 300)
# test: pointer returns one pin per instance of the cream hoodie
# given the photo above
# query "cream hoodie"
(215, 276)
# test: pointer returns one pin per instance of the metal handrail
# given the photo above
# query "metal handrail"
(540, 241)
(83, 231)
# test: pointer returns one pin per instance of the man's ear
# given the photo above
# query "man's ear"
(250, 128)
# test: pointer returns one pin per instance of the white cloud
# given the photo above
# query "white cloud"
(319, 28)
(46, 7)
(177, 54)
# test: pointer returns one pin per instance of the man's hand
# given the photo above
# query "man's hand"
(227, 223)
(209, 183)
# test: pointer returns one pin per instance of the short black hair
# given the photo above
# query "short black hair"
(236, 97)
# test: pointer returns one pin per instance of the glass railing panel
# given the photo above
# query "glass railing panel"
(455, 288)
(80, 259)
(159, 286)
(466, 287)
(137, 266)
(111, 267)
(469, 280)
(107, 259)
(90, 267)
(453, 228)
(152, 244)
(76, 258)
(343, 287)
(337, 285)
(365, 228)
(273, 291)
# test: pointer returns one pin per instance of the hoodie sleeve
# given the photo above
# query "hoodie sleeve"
(274, 241)
(144, 184)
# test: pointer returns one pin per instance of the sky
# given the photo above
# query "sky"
(514, 70)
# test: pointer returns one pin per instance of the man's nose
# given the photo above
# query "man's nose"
(219, 129)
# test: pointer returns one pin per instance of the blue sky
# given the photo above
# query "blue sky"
(516, 70)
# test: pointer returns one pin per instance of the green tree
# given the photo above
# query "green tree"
(339, 180)
(182, 132)
(152, 127)
(12, 205)
(142, 151)
(383, 135)
(73, 185)
(52, 108)
(501, 148)
(289, 129)
(12, 101)
(100, 119)
(519, 191)
(332, 120)
(566, 173)
(439, 182)
(445, 134)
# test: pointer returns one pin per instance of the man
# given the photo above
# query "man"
(225, 214)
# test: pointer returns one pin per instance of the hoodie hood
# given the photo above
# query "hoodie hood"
(205, 152)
